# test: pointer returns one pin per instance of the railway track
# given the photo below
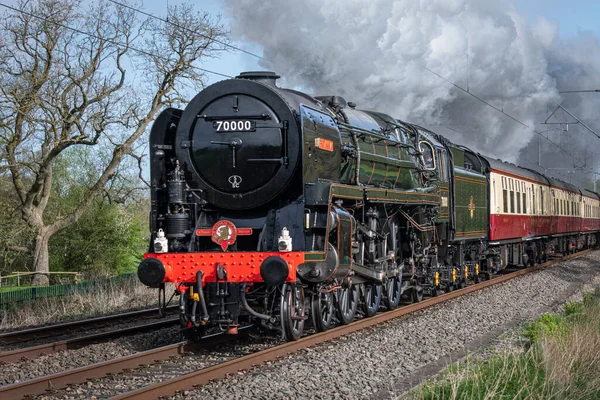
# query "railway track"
(175, 378)
(151, 358)
(30, 353)
(92, 324)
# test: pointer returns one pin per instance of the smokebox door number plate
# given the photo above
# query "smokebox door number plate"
(235, 126)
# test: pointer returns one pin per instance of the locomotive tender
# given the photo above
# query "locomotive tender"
(271, 207)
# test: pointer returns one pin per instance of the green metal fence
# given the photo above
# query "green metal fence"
(20, 295)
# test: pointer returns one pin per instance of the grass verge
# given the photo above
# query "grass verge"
(560, 360)
(112, 297)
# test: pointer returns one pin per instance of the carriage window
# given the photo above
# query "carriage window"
(533, 194)
(518, 203)
(504, 195)
(524, 204)
(512, 201)
(428, 156)
(542, 199)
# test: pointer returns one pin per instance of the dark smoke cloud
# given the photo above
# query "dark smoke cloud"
(375, 53)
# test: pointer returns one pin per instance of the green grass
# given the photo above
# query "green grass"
(510, 377)
(107, 298)
(4, 289)
(561, 360)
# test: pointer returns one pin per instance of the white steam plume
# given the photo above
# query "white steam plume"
(374, 53)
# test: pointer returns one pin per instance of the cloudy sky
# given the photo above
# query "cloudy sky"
(416, 60)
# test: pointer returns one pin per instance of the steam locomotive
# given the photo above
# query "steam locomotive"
(273, 207)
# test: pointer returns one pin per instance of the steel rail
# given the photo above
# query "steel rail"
(61, 380)
(49, 330)
(220, 371)
(200, 377)
(30, 353)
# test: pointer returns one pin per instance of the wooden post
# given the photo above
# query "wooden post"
(18, 279)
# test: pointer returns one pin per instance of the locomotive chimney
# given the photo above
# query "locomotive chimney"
(264, 77)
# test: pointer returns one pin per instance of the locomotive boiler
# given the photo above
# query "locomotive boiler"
(273, 207)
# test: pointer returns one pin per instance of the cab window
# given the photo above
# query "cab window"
(442, 164)
(428, 155)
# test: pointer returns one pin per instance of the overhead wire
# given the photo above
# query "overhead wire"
(185, 28)
(106, 40)
(580, 91)
(503, 113)
(578, 120)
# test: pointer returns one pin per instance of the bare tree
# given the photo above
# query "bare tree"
(95, 78)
